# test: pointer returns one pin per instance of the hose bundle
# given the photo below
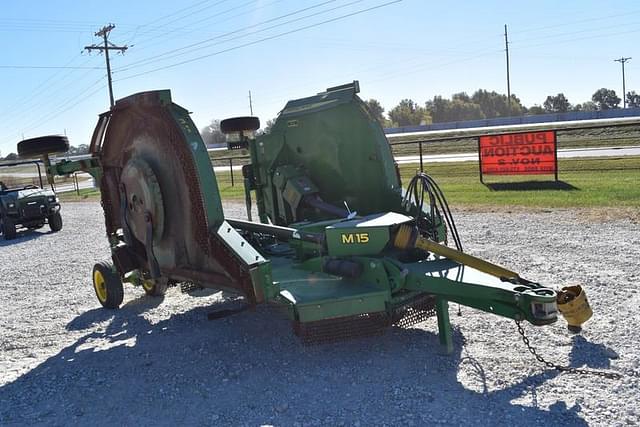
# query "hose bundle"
(420, 185)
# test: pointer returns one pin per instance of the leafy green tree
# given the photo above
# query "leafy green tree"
(459, 108)
(535, 110)
(606, 99)
(211, 134)
(408, 113)
(461, 96)
(267, 127)
(376, 110)
(11, 157)
(556, 104)
(516, 108)
(585, 106)
(494, 104)
(633, 99)
(438, 108)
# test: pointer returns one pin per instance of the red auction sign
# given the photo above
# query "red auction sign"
(527, 153)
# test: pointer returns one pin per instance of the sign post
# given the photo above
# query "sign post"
(525, 153)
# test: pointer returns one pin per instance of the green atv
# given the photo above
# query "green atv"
(30, 206)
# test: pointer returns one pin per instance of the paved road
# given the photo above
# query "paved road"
(562, 154)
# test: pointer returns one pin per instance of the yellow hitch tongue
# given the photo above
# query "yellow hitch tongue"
(574, 306)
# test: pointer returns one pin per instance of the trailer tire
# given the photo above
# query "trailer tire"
(237, 124)
(55, 222)
(35, 147)
(107, 285)
(155, 288)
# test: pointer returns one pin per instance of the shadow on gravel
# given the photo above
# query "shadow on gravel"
(23, 236)
(250, 369)
(597, 356)
(531, 185)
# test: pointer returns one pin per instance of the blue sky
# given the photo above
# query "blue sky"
(406, 49)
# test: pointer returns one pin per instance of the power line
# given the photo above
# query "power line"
(51, 24)
(36, 91)
(306, 27)
(581, 21)
(67, 101)
(589, 30)
(167, 31)
(46, 94)
(506, 50)
(104, 33)
(595, 36)
(48, 67)
(622, 60)
(62, 107)
(163, 56)
(193, 12)
(189, 28)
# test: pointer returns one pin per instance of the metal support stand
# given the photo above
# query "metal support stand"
(444, 325)
(555, 154)
(480, 162)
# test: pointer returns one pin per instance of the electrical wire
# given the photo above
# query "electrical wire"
(49, 67)
(48, 94)
(171, 31)
(163, 56)
(306, 27)
(62, 108)
(83, 97)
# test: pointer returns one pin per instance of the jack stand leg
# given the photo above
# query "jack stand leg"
(444, 325)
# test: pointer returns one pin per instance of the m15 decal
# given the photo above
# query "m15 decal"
(355, 238)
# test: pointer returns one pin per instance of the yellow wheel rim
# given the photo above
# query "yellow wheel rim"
(148, 285)
(100, 285)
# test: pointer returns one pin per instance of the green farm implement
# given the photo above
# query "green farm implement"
(340, 246)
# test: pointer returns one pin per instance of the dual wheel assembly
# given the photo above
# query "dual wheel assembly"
(109, 287)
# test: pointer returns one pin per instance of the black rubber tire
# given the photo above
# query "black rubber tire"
(155, 288)
(111, 292)
(8, 229)
(55, 222)
(35, 147)
(237, 124)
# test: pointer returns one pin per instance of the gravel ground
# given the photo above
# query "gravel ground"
(65, 361)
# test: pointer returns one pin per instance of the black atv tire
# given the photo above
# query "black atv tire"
(107, 285)
(8, 229)
(55, 222)
(237, 124)
(35, 147)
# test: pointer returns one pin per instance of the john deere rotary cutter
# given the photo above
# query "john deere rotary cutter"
(340, 245)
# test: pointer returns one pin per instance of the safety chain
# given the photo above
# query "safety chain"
(569, 369)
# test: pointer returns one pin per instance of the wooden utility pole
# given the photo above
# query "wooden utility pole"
(250, 103)
(506, 49)
(106, 47)
(622, 60)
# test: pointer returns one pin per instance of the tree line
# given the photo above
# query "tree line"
(483, 104)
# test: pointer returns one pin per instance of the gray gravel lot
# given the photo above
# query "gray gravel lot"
(66, 361)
